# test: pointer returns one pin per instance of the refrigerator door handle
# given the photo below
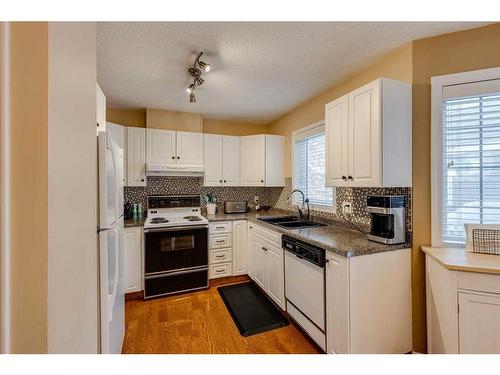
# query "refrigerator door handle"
(112, 296)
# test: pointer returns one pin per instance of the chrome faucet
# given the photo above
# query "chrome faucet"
(301, 208)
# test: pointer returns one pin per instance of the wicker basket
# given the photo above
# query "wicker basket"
(483, 239)
(486, 241)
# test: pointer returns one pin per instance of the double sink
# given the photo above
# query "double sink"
(290, 222)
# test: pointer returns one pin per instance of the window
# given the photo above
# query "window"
(309, 167)
(468, 161)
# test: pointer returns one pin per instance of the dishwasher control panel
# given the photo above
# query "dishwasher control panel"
(303, 250)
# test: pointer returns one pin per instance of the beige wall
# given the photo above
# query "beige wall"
(232, 127)
(73, 316)
(396, 65)
(127, 117)
(445, 54)
(27, 197)
(171, 120)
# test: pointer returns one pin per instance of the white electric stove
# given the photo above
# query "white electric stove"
(176, 246)
(173, 211)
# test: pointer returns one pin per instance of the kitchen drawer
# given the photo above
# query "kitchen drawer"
(220, 270)
(267, 235)
(219, 241)
(219, 227)
(481, 282)
(220, 256)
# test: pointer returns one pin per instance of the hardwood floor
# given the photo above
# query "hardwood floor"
(198, 322)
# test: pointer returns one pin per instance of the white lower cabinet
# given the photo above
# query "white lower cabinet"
(133, 259)
(266, 262)
(463, 309)
(275, 275)
(220, 249)
(368, 303)
(239, 247)
(479, 323)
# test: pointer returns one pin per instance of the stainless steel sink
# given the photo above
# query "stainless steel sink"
(291, 222)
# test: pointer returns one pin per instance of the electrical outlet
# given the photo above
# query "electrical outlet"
(346, 208)
(256, 199)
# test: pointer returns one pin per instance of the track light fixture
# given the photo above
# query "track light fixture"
(195, 72)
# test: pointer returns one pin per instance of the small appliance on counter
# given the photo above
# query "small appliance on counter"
(232, 207)
(387, 214)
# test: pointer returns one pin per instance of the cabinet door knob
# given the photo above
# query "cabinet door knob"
(220, 181)
(178, 157)
(173, 157)
(349, 177)
(262, 181)
(344, 178)
(224, 181)
(142, 179)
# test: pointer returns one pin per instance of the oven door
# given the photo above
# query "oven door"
(179, 248)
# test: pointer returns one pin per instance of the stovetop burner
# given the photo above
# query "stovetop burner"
(159, 220)
(192, 218)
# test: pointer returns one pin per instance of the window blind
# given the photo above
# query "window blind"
(309, 169)
(471, 160)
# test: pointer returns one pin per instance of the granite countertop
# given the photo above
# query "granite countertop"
(461, 260)
(134, 222)
(334, 238)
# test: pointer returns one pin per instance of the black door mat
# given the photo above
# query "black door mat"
(250, 309)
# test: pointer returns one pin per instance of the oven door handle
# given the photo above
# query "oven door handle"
(172, 229)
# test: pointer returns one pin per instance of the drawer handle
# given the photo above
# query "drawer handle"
(220, 256)
(220, 241)
(219, 227)
(219, 271)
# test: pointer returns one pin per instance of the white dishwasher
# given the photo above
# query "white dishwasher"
(305, 287)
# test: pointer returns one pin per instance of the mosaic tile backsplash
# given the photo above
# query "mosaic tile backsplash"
(272, 196)
(194, 185)
(357, 197)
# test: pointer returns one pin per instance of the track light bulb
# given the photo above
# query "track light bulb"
(192, 98)
(204, 66)
(198, 80)
(190, 88)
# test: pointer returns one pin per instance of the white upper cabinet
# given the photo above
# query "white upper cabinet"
(136, 156)
(275, 160)
(231, 160)
(222, 160)
(337, 157)
(160, 146)
(189, 148)
(253, 160)
(364, 133)
(368, 136)
(262, 160)
(170, 147)
(212, 149)
(101, 109)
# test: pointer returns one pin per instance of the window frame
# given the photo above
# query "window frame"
(437, 85)
(302, 133)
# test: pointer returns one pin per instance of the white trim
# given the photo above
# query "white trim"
(305, 132)
(437, 84)
(5, 190)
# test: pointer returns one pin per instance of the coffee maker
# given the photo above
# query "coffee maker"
(387, 214)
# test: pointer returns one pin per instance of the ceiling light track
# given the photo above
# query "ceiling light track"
(195, 71)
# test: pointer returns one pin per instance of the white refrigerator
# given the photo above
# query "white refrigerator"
(111, 245)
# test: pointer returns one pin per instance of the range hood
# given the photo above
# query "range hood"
(174, 170)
